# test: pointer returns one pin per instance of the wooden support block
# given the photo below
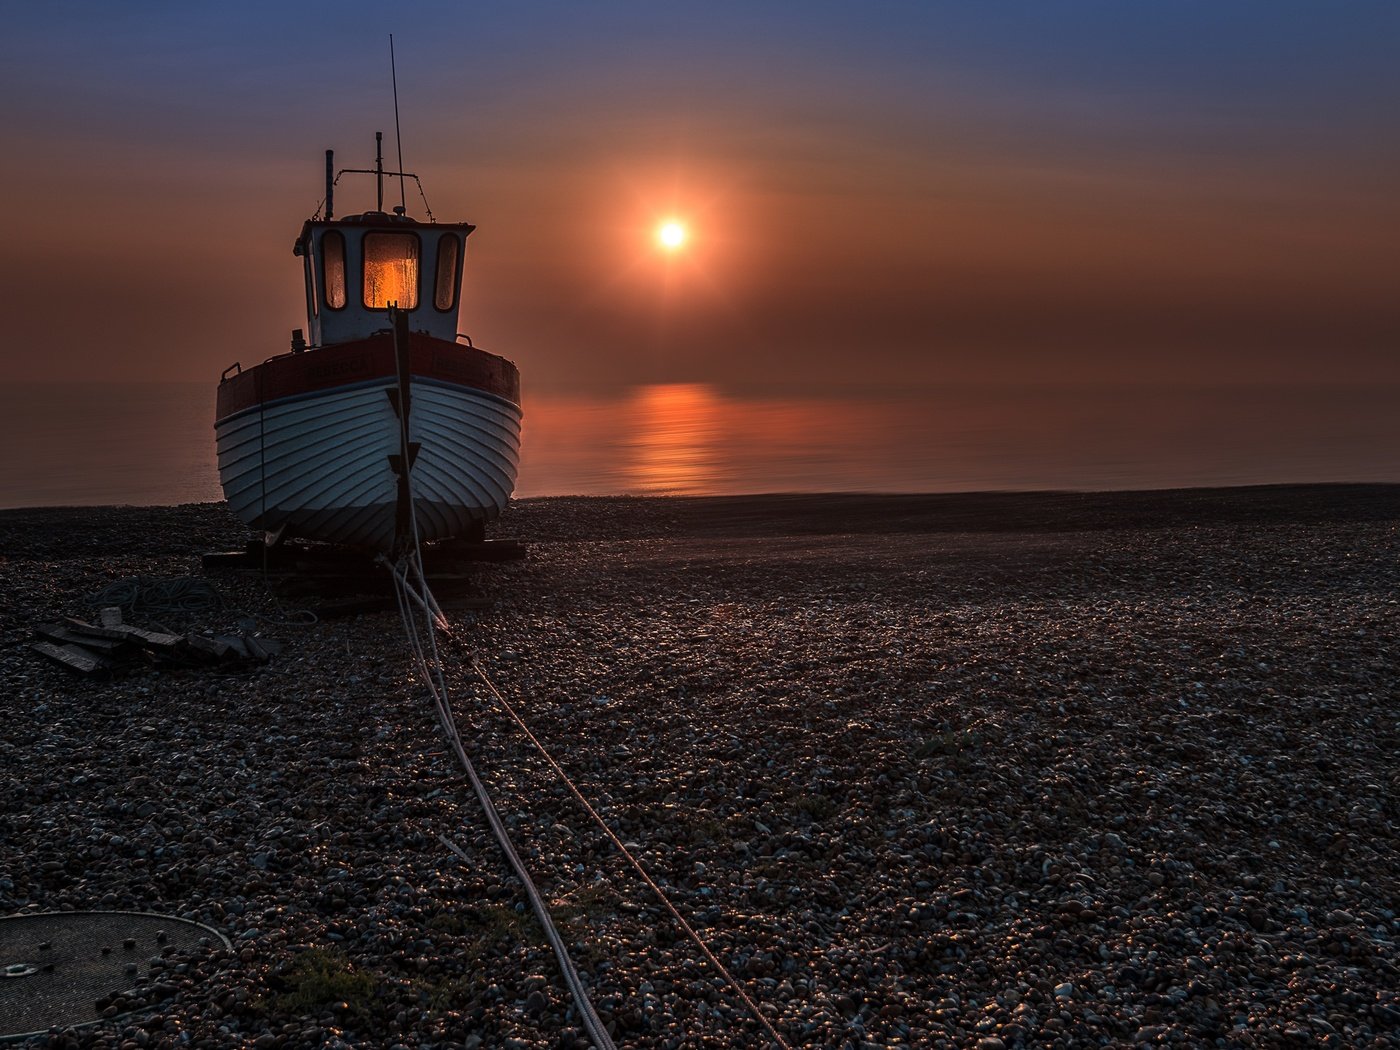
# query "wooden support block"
(110, 615)
(234, 644)
(56, 632)
(117, 634)
(72, 657)
(149, 639)
(210, 647)
(125, 633)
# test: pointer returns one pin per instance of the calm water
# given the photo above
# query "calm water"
(85, 444)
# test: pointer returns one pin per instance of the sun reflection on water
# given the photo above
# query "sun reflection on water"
(673, 438)
(698, 439)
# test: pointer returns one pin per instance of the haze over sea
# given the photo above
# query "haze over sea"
(153, 443)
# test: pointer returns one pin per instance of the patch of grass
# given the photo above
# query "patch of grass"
(485, 926)
(449, 994)
(706, 829)
(483, 929)
(958, 746)
(320, 977)
(813, 807)
(446, 922)
(586, 902)
(498, 922)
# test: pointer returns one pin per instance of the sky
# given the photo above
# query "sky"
(875, 193)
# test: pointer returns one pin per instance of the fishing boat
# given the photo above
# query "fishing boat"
(380, 423)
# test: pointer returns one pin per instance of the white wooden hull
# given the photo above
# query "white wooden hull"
(317, 465)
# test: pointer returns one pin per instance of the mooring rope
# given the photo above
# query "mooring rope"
(409, 597)
(410, 592)
(414, 594)
(627, 855)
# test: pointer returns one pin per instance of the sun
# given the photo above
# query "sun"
(670, 235)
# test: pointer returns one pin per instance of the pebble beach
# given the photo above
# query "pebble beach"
(1001, 770)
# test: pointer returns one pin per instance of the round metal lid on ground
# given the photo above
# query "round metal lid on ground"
(56, 968)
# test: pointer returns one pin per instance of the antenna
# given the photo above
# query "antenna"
(398, 139)
(379, 169)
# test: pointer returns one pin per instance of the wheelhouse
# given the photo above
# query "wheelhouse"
(357, 266)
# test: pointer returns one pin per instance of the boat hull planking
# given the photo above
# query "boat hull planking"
(317, 463)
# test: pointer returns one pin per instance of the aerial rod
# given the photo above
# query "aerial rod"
(379, 169)
(330, 184)
(398, 138)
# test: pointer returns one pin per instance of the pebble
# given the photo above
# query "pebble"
(985, 785)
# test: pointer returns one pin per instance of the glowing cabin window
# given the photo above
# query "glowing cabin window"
(445, 290)
(333, 269)
(391, 270)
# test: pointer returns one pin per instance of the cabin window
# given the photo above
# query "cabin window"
(391, 270)
(333, 268)
(311, 286)
(445, 293)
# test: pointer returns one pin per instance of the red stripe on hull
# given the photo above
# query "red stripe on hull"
(327, 367)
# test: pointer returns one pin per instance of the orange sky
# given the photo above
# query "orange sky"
(924, 195)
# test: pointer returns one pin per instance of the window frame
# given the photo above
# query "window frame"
(313, 287)
(364, 268)
(325, 290)
(456, 285)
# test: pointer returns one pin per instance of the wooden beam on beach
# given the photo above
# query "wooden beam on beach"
(212, 648)
(88, 630)
(90, 649)
(151, 639)
(72, 657)
(125, 633)
(57, 633)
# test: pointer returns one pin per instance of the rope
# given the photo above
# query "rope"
(423, 195)
(627, 855)
(152, 597)
(192, 597)
(408, 595)
(430, 665)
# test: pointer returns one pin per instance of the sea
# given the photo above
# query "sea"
(88, 444)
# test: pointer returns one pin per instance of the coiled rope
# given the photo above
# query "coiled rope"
(191, 597)
(150, 596)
